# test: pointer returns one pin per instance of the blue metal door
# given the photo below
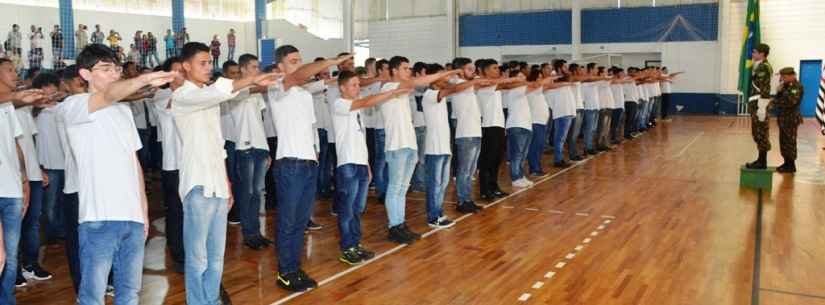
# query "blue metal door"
(810, 74)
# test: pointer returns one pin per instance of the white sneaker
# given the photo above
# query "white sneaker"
(531, 183)
(521, 183)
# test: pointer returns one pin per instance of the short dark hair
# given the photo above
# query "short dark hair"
(343, 54)
(379, 64)
(283, 51)
(419, 67)
(190, 49)
(396, 62)
(369, 61)
(460, 62)
(70, 72)
(434, 68)
(45, 79)
(246, 59)
(93, 54)
(484, 63)
(535, 72)
(345, 76)
(269, 68)
(167, 65)
(228, 64)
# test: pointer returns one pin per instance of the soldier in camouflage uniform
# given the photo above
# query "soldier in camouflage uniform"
(788, 98)
(758, 101)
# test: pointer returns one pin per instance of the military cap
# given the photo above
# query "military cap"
(787, 71)
(763, 48)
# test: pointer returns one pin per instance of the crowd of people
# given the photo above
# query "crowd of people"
(143, 50)
(75, 145)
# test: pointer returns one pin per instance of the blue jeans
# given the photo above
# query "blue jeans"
(643, 114)
(438, 168)
(591, 119)
(352, 185)
(11, 216)
(232, 171)
(30, 233)
(573, 134)
(467, 152)
(518, 140)
(537, 148)
(400, 164)
(296, 181)
(379, 172)
(52, 202)
(170, 52)
(252, 170)
(111, 246)
(419, 179)
(231, 54)
(615, 124)
(204, 241)
(560, 128)
(143, 153)
(324, 160)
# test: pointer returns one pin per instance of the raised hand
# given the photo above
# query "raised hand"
(157, 79)
(343, 58)
(28, 96)
(401, 91)
(267, 79)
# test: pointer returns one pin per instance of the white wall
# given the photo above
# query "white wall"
(419, 39)
(794, 32)
(310, 45)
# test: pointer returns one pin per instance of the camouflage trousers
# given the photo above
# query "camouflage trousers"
(787, 139)
(759, 130)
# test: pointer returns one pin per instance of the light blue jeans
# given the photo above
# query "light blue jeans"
(400, 164)
(467, 152)
(204, 241)
(11, 216)
(591, 119)
(115, 246)
(438, 168)
(518, 140)
(419, 179)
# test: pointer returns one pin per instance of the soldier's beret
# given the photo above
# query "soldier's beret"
(787, 71)
(763, 48)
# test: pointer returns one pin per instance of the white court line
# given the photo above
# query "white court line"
(524, 297)
(560, 265)
(586, 241)
(608, 217)
(532, 209)
(688, 145)
(579, 248)
(549, 275)
(556, 212)
(538, 285)
(594, 233)
(582, 214)
(601, 227)
(570, 256)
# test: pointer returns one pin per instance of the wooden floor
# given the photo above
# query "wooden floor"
(661, 220)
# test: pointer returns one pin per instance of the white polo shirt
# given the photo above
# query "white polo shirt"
(400, 132)
(492, 111)
(539, 108)
(249, 125)
(167, 132)
(605, 96)
(466, 112)
(618, 95)
(105, 143)
(11, 185)
(367, 114)
(590, 94)
(577, 95)
(437, 139)
(294, 115)
(351, 147)
(197, 114)
(519, 108)
(50, 152)
(24, 116)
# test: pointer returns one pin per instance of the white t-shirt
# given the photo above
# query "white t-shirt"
(153, 116)
(105, 143)
(139, 112)
(333, 94)
(167, 132)
(590, 94)
(49, 152)
(269, 125)
(519, 108)
(605, 96)
(618, 95)
(11, 185)
(294, 116)
(24, 116)
(249, 123)
(400, 132)
(666, 86)
(642, 89)
(539, 107)
(650, 92)
(466, 112)
(417, 109)
(657, 90)
(70, 176)
(577, 96)
(437, 139)
(350, 139)
(367, 114)
(561, 100)
(492, 111)
(630, 92)
(319, 99)
(227, 122)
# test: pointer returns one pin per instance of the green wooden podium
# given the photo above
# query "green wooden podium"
(756, 178)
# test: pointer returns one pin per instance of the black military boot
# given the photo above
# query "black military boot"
(760, 163)
(787, 167)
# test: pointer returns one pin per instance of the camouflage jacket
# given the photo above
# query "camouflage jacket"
(761, 80)
(788, 98)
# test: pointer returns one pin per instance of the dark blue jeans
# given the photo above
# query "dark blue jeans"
(560, 128)
(518, 139)
(630, 125)
(573, 134)
(615, 124)
(52, 202)
(379, 172)
(174, 214)
(438, 170)
(11, 216)
(143, 153)
(324, 162)
(30, 233)
(352, 185)
(111, 245)
(537, 148)
(296, 181)
(251, 167)
(232, 172)
(70, 209)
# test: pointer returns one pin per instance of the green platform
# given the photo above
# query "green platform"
(756, 178)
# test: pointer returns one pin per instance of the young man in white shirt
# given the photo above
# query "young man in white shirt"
(296, 165)
(467, 134)
(230, 70)
(380, 172)
(401, 147)
(352, 173)
(113, 213)
(14, 184)
(493, 139)
(252, 156)
(419, 178)
(205, 189)
(51, 156)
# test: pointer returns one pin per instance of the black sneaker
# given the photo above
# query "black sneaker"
(291, 281)
(562, 164)
(312, 226)
(409, 232)
(254, 244)
(499, 194)
(307, 281)
(225, 300)
(576, 158)
(466, 207)
(441, 222)
(265, 241)
(21, 281)
(179, 267)
(234, 219)
(364, 253)
(397, 235)
(592, 152)
(35, 272)
(487, 196)
(350, 257)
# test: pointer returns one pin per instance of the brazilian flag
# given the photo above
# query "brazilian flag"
(753, 37)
